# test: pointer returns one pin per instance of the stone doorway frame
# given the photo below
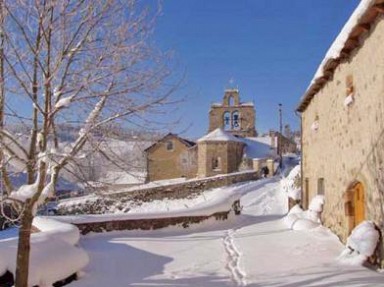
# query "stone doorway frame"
(350, 202)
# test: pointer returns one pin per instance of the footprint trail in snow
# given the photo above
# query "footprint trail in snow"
(238, 276)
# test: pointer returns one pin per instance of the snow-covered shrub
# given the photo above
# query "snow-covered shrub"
(297, 219)
(361, 244)
(316, 208)
(292, 183)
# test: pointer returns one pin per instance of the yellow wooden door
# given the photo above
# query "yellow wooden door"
(359, 203)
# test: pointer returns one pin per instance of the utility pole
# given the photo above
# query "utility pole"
(279, 139)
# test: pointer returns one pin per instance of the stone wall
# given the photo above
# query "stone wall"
(344, 144)
(147, 224)
(185, 189)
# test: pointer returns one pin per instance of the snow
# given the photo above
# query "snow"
(63, 102)
(219, 135)
(290, 183)
(297, 219)
(66, 232)
(18, 179)
(317, 203)
(53, 256)
(208, 203)
(364, 238)
(361, 244)
(248, 104)
(259, 148)
(315, 126)
(57, 92)
(123, 177)
(252, 249)
(24, 192)
(338, 45)
(348, 100)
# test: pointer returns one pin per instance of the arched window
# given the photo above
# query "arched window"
(216, 163)
(227, 121)
(236, 120)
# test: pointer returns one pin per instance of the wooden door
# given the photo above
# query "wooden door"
(359, 203)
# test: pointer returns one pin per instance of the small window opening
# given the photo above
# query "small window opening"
(320, 186)
(169, 145)
(216, 163)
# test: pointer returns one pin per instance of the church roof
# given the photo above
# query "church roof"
(186, 142)
(219, 135)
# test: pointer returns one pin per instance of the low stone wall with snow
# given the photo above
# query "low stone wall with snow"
(184, 189)
(146, 223)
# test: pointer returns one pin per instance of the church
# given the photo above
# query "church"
(232, 144)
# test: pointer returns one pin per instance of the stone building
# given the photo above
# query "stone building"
(342, 118)
(171, 157)
(219, 152)
(233, 116)
(282, 143)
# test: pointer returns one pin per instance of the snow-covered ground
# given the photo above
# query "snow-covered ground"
(254, 249)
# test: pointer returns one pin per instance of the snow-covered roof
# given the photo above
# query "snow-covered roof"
(219, 135)
(259, 147)
(335, 52)
(186, 142)
(247, 104)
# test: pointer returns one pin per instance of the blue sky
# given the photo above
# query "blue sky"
(271, 48)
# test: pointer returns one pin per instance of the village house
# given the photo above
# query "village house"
(171, 157)
(342, 124)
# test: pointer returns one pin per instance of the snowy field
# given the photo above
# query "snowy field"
(254, 249)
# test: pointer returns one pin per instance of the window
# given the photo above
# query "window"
(306, 193)
(216, 163)
(315, 124)
(227, 121)
(350, 86)
(320, 186)
(350, 90)
(169, 145)
(236, 120)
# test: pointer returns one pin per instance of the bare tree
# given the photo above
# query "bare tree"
(88, 62)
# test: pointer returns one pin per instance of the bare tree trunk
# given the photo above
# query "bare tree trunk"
(23, 248)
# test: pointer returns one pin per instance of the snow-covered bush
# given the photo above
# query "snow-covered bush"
(361, 244)
(297, 219)
(316, 208)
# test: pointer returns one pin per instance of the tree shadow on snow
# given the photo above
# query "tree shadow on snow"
(339, 276)
(113, 261)
(197, 281)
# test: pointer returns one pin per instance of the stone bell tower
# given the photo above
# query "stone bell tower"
(233, 116)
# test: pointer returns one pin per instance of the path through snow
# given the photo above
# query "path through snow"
(254, 249)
